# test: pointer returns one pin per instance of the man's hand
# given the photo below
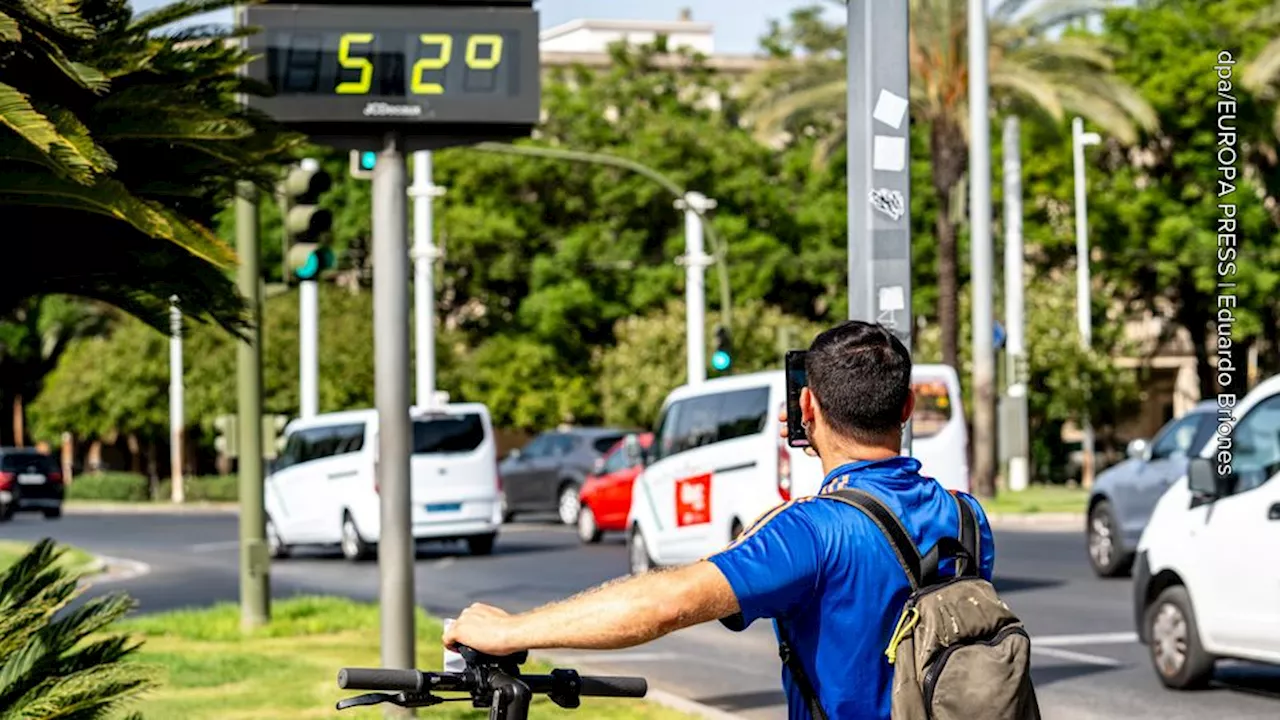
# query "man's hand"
(484, 628)
(782, 417)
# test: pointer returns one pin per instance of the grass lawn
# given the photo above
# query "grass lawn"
(1039, 499)
(74, 559)
(209, 669)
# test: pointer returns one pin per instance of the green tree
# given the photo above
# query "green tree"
(63, 663)
(122, 146)
(1030, 74)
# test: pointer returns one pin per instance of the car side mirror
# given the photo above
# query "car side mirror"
(1137, 449)
(1203, 480)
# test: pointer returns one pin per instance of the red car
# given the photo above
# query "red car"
(605, 498)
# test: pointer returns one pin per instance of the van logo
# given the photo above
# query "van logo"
(693, 500)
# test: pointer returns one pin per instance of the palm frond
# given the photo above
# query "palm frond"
(175, 12)
(10, 31)
(71, 157)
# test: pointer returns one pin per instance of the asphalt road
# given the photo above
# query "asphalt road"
(1087, 663)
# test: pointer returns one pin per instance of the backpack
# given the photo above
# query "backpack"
(958, 652)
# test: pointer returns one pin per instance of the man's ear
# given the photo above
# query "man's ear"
(808, 405)
(910, 406)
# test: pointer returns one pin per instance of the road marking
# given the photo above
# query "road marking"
(214, 546)
(1073, 656)
(445, 562)
(1119, 638)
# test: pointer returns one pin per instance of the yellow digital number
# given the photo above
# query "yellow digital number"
(364, 65)
(474, 61)
(420, 87)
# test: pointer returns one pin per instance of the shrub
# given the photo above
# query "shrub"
(132, 487)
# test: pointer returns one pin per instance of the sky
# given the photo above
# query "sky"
(739, 24)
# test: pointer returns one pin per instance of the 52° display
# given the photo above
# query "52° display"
(342, 68)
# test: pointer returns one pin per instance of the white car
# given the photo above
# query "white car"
(323, 489)
(1206, 586)
(717, 462)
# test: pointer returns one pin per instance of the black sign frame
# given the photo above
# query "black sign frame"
(342, 121)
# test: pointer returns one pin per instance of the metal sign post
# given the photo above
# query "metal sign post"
(879, 169)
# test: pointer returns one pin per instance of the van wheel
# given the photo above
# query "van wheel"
(638, 552)
(569, 503)
(1106, 554)
(481, 544)
(275, 544)
(1176, 653)
(588, 530)
(354, 547)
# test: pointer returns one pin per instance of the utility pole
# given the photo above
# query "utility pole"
(1084, 318)
(255, 564)
(391, 390)
(982, 284)
(1016, 430)
(695, 277)
(425, 254)
(176, 411)
(879, 169)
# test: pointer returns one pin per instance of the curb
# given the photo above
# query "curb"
(127, 508)
(657, 696)
(1042, 522)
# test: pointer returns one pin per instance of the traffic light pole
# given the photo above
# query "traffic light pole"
(255, 586)
(391, 390)
(176, 409)
(879, 169)
(695, 274)
(309, 335)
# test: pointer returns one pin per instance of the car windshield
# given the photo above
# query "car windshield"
(447, 434)
(933, 408)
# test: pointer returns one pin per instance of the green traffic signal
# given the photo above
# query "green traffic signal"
(722, 358)
(308, 260)
(306, 224)
(368, 159)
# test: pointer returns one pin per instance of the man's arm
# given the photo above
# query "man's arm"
(615, 615)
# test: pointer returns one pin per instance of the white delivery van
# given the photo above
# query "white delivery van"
(1206, 584)
(939, 437)
(323, 489)
(717, 462)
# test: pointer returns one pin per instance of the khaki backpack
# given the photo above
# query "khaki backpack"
(958, 652)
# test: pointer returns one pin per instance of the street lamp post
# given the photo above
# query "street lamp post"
(695, 262)
(1080, 139)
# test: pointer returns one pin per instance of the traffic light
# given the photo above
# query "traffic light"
(306, 224)
(362, 163)
(272, 435)
(227, 441)
(722, 358)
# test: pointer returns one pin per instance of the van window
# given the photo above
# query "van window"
(709, 419)
(447, 434)
(318, 443)
(933, 408)
(1255, 445)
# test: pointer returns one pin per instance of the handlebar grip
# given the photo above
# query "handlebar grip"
(391, 679)
(630, 687)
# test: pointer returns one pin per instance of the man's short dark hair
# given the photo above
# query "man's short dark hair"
(861, 376)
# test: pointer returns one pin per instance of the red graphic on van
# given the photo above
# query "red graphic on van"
(693, 500)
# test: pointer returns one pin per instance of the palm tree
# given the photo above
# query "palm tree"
(57, 661)
(162, 142)
(1030, 73)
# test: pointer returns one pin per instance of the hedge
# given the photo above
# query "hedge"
(133, 487)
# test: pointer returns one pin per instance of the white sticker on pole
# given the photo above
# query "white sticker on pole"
(890, 153)
(893, 298)
(890, 109)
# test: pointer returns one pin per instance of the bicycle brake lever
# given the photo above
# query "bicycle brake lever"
(404, 699)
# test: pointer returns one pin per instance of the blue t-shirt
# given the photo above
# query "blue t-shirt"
(830, 574)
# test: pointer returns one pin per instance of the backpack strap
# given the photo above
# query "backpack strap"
(968, 561)
(798, 673)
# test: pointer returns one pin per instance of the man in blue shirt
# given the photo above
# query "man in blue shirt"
(820, 566)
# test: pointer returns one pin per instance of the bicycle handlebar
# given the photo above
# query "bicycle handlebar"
(490, 682)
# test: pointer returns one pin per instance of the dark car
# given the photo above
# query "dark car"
(29, 480)
(548, 473)
(1124, 495)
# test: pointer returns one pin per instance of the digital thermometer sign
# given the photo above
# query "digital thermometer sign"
(358, 70)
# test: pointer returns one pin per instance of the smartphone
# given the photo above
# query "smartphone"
(796, 380)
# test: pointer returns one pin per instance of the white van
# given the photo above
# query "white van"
(323, 489)
(939, 437)
(1206, 586)
(717, 462)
